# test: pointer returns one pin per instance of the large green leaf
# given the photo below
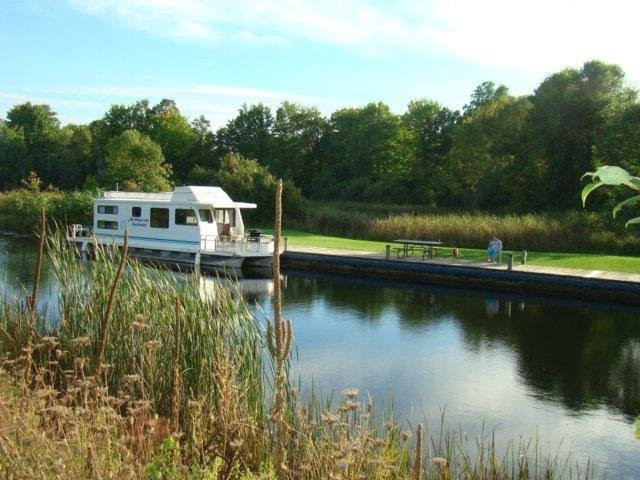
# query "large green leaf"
(609, 175)
(628, 202)
(588, 188)
(633, 220)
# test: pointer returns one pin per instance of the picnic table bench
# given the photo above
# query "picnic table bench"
(428, 248)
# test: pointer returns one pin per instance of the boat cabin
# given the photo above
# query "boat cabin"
(194, 217)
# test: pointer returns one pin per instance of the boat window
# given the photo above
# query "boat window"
(109, 209)
(205, 215)
(225, 215)
(108, 224)
(136, 212)
(159, 218)
(186, 216)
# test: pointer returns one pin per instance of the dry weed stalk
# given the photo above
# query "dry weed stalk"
(32, 301)
(416, 469)
(106, 319)
(175, 364)
(279, 337)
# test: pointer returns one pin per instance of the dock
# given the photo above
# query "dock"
(580, 284)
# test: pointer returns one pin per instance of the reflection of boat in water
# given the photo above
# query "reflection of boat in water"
(197, 227)
(250, 287)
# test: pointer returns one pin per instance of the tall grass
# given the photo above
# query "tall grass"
(570, 231)
(182, 393)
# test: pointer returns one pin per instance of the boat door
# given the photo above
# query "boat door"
(208, 227)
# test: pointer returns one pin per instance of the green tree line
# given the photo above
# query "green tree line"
(500, 152)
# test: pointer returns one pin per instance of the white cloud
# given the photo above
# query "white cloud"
(539, 36)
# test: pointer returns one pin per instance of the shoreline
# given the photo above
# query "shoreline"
(526, 279)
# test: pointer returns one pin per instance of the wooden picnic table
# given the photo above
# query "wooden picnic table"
(428, 248)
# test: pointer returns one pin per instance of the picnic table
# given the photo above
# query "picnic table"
(428, 248)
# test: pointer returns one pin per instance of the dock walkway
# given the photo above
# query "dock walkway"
(566, 282)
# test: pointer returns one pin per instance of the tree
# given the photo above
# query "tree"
(120, 118)
(484, 94)
(572, 110)
(486, 144)
(40, 129)
(136, 163)
(203, 148)
(368, 156)
(76, 162)
(173, 133)
(15, 162)
(431, 127)
(249, 134)
(245, 179)
(297, 132)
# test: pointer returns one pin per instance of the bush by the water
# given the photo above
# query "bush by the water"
(19, 209)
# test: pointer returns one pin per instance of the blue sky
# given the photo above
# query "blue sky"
(81, 56)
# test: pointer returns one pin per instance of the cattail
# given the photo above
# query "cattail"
(106, 319)
(33, 298)
(175, 379)
(416, 469)
(38, 272)
(279, 338)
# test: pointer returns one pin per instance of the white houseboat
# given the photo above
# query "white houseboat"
(191, 226)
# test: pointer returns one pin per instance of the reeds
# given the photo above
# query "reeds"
(570, 231)
(279, 338)
(184, 394)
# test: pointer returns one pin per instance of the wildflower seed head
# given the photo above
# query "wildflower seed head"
(350, 393)
(138, 326)
(81, 342)
(236, 444)
(440, 462)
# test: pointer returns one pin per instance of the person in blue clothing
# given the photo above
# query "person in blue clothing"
(495, 247)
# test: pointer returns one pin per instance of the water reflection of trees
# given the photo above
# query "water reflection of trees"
(582, 356)
(18, 263)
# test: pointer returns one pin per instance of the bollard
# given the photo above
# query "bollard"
(286, 241)
(510, 264)
(524, 257)
(387, 252)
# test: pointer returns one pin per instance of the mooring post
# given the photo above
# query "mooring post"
(387, 252)
(286, 242)
(524, 257)
(510, 264)
(196, 263)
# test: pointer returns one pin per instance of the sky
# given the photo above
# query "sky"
(210, 56)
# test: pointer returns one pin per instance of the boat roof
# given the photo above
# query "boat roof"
(188, 194)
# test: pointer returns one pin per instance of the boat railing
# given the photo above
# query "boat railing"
(238, 244)
(79, 231)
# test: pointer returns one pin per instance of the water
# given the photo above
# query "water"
(565, 372)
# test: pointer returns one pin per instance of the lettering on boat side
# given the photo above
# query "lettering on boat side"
(138, 222)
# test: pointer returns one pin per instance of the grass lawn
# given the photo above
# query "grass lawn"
(591, 261)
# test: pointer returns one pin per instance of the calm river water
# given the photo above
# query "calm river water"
(565, 372)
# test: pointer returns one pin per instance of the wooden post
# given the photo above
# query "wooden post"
(387, 252)
(286, 243)
(524, 257)
(510, 264)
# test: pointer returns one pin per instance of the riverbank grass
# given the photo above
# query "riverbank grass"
(589, 261)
